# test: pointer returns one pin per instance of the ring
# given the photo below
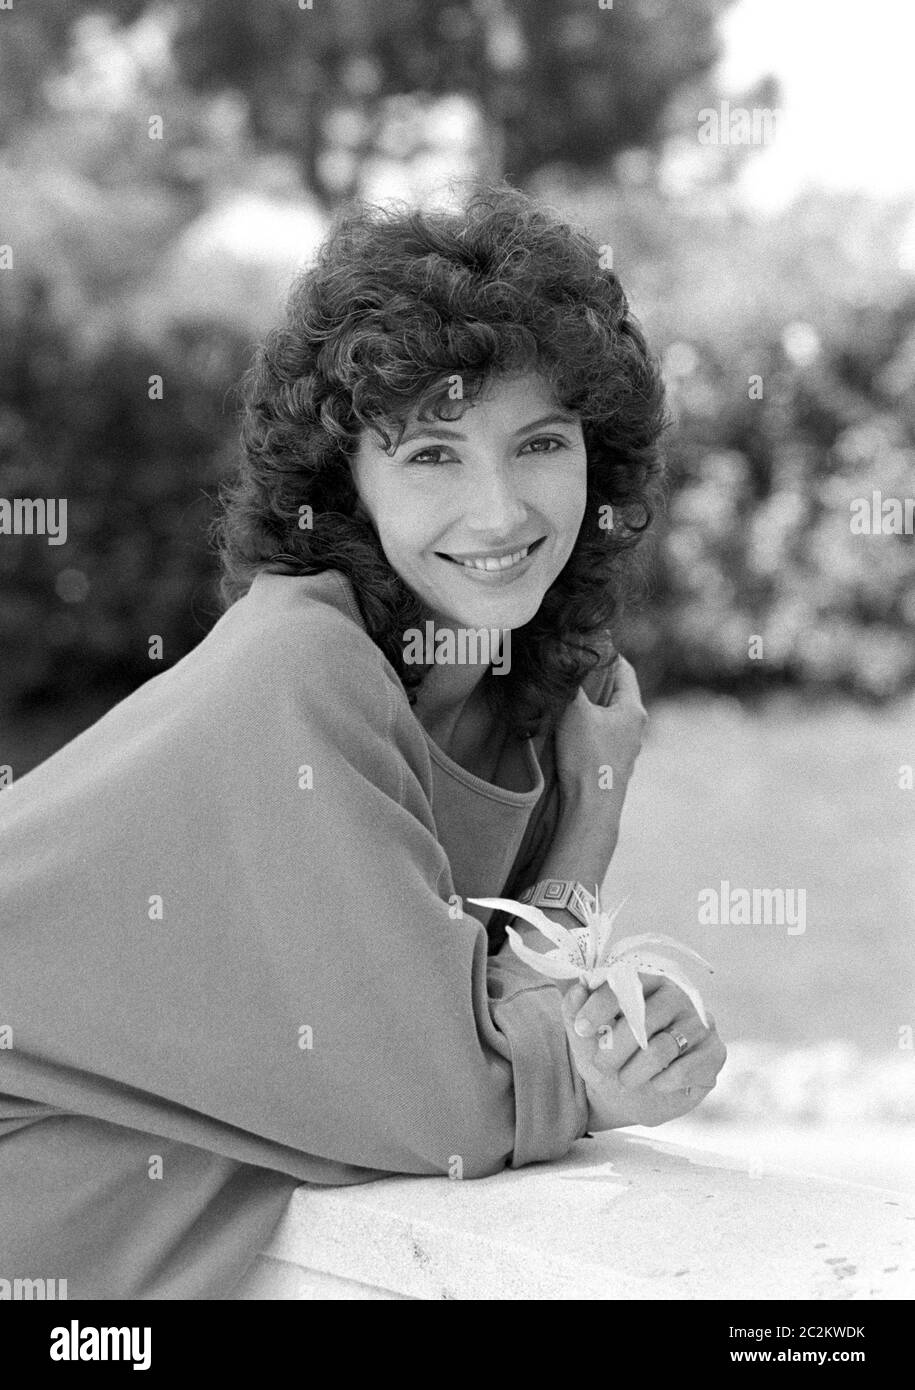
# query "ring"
(682, 1043)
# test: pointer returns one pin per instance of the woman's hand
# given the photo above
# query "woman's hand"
(596, 749)
(628, 1085)
(592, 737)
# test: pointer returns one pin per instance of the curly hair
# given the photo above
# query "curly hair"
(399, 300)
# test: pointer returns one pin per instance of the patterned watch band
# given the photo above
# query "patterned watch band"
(557, 893)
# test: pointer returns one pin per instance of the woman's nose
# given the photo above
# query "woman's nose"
(493, 503)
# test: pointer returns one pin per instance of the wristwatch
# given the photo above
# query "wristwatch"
(558, 893)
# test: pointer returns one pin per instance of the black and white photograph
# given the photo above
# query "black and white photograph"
(457, 663)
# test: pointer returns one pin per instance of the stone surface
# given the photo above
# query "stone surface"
(621, 1216)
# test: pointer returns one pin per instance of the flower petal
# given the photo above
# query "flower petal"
(582, 947)
(606, 927)
(550, 963)
(583, 899)
(629, 943)
(559, 936)
(623, 979)
(647, 963)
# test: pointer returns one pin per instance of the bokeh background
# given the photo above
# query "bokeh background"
(164, 170)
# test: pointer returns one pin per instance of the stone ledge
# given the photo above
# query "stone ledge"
(620, 1217)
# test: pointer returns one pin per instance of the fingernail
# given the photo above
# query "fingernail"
(584, 1027)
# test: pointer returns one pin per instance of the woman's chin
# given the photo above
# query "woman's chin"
(496, 614)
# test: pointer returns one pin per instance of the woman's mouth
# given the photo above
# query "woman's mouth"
(494, 565)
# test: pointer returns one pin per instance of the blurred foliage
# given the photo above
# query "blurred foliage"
(554, 82)
(270, 105)
(789, 350)
(35, 42)
(138, 475)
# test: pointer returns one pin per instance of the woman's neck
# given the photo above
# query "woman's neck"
(450, 696)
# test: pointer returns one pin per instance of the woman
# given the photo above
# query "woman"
(237, 951)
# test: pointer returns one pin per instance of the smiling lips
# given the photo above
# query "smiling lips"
(494, 563)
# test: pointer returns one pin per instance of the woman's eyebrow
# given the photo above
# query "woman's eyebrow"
(439, 432)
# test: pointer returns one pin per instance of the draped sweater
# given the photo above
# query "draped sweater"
(236, 956)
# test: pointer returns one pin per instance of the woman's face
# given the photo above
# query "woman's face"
(456, 501)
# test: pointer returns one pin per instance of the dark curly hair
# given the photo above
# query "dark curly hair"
(397, 302)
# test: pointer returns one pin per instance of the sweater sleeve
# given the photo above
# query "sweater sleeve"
(526, 1008)
(484, 1068)
(226, 920)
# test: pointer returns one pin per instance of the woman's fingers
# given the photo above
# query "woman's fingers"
(663, 1051)
(576, 996)
(700, 1067)
(584, 1050)
(602, 1007)
(574, 999)
(626, 687)
(665, 1002)
(679, 1077)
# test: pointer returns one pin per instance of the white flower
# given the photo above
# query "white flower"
(585, 954)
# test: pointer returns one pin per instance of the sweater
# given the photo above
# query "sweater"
(236, 958)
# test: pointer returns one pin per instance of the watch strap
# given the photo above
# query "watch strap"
(558, 893)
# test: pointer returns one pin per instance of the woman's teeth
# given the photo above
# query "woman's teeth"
(490, 562)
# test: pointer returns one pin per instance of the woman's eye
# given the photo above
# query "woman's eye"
(436, 453)
(549, 440)
(426, 455)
